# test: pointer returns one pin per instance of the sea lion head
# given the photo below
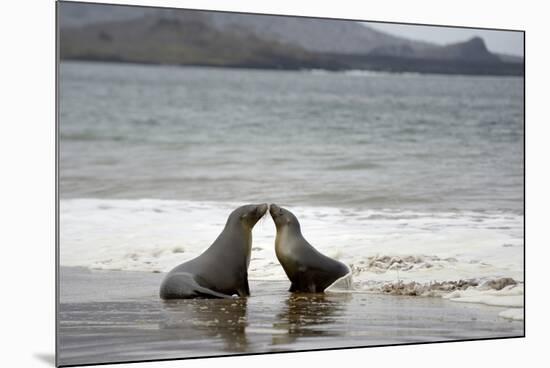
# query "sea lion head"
(249, 214)
(283, 217)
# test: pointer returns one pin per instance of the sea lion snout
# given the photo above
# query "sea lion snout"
(254, 213)
(280, 216)
(274, 210)
(262, 209)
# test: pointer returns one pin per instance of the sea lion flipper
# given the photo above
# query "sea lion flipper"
(184, 285)
(203, 290)
(246, 287)
(210, 292)
(244, 290)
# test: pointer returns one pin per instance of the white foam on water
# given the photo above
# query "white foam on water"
(147, 234)
(413, 252)
(342, 284)
(509, 296)
(515, 314)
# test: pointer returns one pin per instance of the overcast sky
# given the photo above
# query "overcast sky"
(497, 41)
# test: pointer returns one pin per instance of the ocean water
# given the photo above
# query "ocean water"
(406, 178)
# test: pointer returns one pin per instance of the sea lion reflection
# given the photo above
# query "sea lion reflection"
(309, 315)
(223, 319)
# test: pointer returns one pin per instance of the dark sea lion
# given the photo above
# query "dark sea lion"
(222, 269)
(307, 269)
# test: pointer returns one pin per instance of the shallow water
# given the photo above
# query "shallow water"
(110, 316)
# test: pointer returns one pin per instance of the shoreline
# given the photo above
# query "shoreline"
(109, 316)
(388, 71)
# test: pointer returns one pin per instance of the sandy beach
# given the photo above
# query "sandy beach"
(113, 316)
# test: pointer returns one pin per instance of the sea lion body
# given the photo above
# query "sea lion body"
(222, 269)
(308, 269)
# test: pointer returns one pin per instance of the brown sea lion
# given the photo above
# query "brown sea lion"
(221, 270)
(307, 269)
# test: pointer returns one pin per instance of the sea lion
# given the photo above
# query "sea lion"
(307, 269)
(222, 269)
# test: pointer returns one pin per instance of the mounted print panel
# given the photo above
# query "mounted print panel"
(235, 183)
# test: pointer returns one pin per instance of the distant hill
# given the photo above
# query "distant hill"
(188, 37)
(311, 34)
(185, 40)
(510, 58)
(80, 14)
(471, 50)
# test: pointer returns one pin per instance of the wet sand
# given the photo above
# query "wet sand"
(110, 316)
